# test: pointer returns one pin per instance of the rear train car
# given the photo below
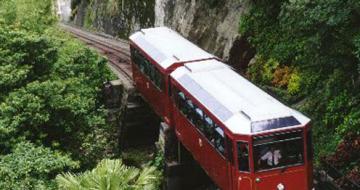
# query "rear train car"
(243, 138)
(155, 53)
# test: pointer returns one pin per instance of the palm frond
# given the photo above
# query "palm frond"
(110, 175)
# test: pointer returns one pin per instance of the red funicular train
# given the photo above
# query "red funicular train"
(242, 137)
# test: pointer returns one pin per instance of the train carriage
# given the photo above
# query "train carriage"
(155, 53)
(229, 125)
(242, 137)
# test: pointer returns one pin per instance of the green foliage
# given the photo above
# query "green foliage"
(300, 31)
(32, 167)
(320, 40)
(294, 84)
(159, 160)
(52, 116)
(357, 50)
(350, 124)
(56, 97)
(50, 97)
(7, 13)
(23, 57)
(31, 15)
(337, 109)
(261, 71)
(111, 175)
(138, 157)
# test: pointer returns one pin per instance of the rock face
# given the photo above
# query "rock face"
(211, 24)
(115, 17)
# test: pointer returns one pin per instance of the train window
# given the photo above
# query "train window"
(209, 128)
(141, 62)
(135, 56)
(158, 79)
(189, 110)
(147, 68)
(274, 124)
(199, 112)
(182, 95)
(182, 102)
(150, 70)
(142, 66)
(189, 104)
(278, 150)
(199, 119)
(243, 156)
(219, 140)
(309, 146)
(208, 121)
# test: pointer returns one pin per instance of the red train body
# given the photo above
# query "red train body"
(243, 138)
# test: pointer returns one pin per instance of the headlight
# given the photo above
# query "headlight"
(280, 186)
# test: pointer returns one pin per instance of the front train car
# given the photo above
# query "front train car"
(242, 137)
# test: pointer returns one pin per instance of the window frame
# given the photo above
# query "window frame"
(248, 156)
(256, 157)
(220, 141)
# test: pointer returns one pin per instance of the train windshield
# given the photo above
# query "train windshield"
(278, 150)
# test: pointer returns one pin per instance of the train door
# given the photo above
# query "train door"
(150, 80)
(204, 147)
(155, 87)
(241, 173)
(218, 161)
(185, 130)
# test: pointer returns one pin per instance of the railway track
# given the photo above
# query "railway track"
(116, 51)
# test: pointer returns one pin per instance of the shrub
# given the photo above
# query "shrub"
(281, 76)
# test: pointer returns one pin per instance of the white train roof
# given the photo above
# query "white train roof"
(167, 47)
(240, 105)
